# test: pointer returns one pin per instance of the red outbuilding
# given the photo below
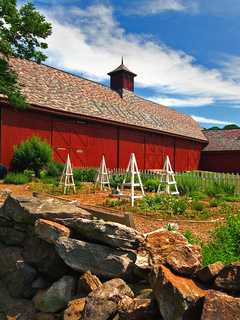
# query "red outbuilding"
(87, 119)
(222, 154)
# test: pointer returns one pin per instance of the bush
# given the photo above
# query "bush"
(187, 184)
(85, 175)
(198, 206)
(214, 203)
(54, 169)
(224, 245)
(151, 184)
(116, 180)
(3, 171)
(33, 154)
(16, 178)
(179, 206)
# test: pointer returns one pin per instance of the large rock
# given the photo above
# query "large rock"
(19, 282)
(173, 250)
(228, 278)
(103, 302)
(208, 273)
(9, 256)
(10, 236)
(28, 210)
(100, 260)
(87, 283)
(105, 232)
(43, 257)
(219, 306)
(175, 295)
(74, 309)
(56, 297)
(50, 231)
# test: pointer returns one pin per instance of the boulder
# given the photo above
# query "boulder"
(40, 283)
(100, 260)
(103, 232)
(74, 309)
(138, 309)
(220, 306)
(28, 209)
(175, 294)
(10, 236)
(228, 278)
(19, 282)
(103, 302)
(44, 258)
(56, 297)
(87, 283)
(9, 256)
(172, 249)
(50, 231)
(208, 273)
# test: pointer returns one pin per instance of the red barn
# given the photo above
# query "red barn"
(87, 119)
(222, 154)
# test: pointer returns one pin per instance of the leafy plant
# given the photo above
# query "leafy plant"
(116, 180)
(217, 188)
(188, 184)
(214, 203)
(198, 206)
(21, 31)
(151, 184)
(192, 239)
(32, 154)
(85, 174)
(54, 169)
(179, 206)
(225, 243)
(16, 178)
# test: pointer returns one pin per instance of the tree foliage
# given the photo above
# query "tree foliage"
(22, 34)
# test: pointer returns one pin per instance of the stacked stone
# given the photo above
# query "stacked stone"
(58, 262)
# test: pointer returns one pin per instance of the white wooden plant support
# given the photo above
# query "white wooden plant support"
(168, 179)
(67, 180)
(133, 172)
(103, 175)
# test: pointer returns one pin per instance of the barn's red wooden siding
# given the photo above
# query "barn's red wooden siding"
(86, 141)
(220, 161)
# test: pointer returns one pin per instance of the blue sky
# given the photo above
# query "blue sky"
(186, 52)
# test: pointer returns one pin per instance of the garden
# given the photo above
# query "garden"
(207, 211)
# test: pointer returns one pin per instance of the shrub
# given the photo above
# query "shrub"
(3, 171)
(224, 245)
(54, 169)
(85, 174)
(192, 239)
(214, 203)
(151, 184)
(187, 184)
(198, 206)
(16, 178)
(116, 180)
(32, 154)
(179, 206)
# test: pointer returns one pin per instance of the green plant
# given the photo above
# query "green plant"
(188, 184)
(151, 184)
(192, 239)
(198, 206)
(116, 180)
(216, 188)
(214, 203)
(54, 169)
(84, 174)
(32, 154)
(16, 178)
(225, 242)
(179, 206)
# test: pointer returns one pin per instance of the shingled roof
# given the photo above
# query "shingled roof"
(223, 140)
(47, 87)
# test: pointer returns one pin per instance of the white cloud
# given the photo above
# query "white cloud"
(153, 7)
(209, 121)
(91, 42)
(189, 102)
(231, 67)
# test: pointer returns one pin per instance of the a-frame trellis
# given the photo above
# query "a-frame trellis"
(168, 179)
(103, 175)
(132, 172)
(67, 179)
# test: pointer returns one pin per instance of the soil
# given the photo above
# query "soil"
(201, 229)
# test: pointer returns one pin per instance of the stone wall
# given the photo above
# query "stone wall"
(58, 262)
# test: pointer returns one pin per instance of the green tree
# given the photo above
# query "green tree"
(230, 126)
(22, 34)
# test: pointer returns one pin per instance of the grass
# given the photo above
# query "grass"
(192, 239)
(225, 242)
(16, 178)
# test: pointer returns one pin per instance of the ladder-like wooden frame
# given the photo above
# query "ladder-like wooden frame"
(103, 175)
(67, 179)
(168, 179)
